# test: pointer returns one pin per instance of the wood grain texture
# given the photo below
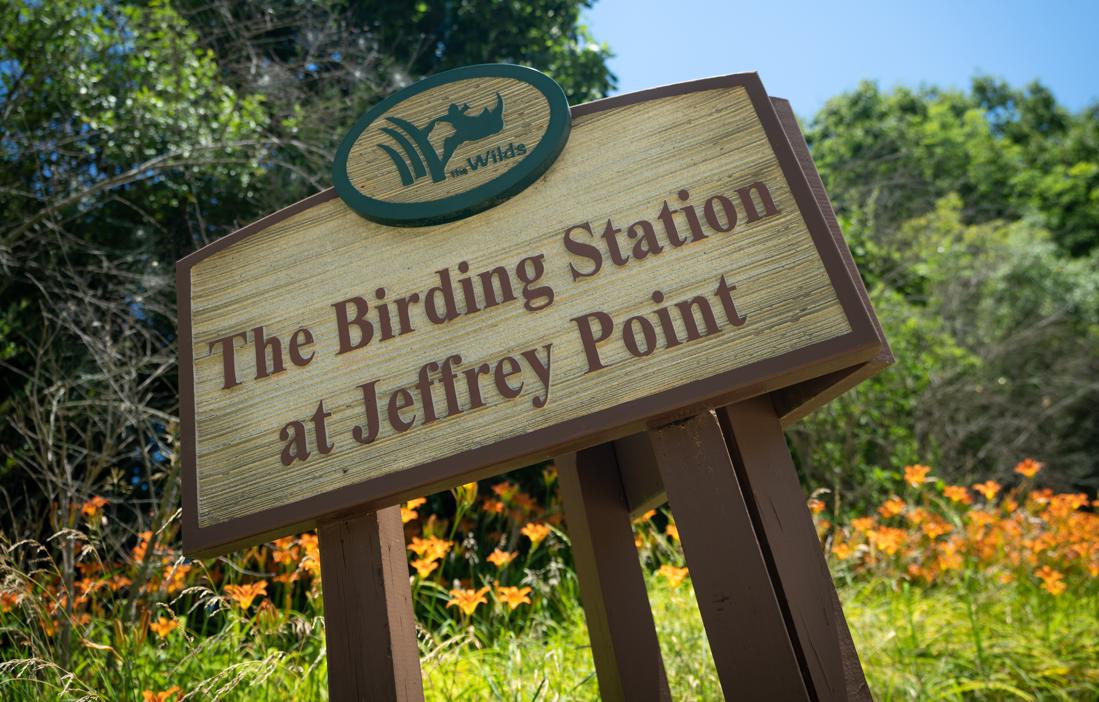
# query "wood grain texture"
(290, 275)
(526, 117)
(752, 650)
(790, 545)
(624, 645)
(370, 629)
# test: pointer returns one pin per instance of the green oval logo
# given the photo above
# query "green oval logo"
(452, 145)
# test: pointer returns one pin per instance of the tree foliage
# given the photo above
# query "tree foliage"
(889, 157)
(134, 133)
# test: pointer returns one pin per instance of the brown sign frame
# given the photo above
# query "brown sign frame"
(813, 374)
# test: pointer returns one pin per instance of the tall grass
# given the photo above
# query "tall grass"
(948, 598)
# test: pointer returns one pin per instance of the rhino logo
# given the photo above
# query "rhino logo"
(467, 128)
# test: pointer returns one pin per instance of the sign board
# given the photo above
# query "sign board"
(670, 258)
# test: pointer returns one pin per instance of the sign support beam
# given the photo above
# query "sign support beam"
(616, 605)
(370, 629)
(791, 548)
(753, 653)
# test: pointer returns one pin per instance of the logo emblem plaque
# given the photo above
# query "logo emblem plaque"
(452, 145)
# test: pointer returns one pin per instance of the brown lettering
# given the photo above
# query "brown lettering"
(295, 347)
(612, 245)
(370, 402)
(543, 373)
(473, 383)
(581, 249)
(587, 336)
(648, 238)
(262, 345)
(723, 290)
(666, 217)
(446, 289)
(404, 397)
(502, 375)
(671, 340)
(501, 275)
(321, 432)
(711, 214)
(750, 206)
(531, 294)
(687, 311)
(228, 359)
(629, 336)
(424, 386)
(343, 324)
(296, 449)
(692, 218)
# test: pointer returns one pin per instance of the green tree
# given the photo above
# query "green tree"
(134, 133)
(888, 157)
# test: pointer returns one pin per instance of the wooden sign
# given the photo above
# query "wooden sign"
(671, 259)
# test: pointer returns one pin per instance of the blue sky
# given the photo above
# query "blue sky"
(808, 51)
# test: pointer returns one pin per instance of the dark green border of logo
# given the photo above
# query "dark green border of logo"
(484, 196)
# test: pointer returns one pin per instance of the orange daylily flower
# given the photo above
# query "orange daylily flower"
(408, 510)
(891, 508)
(816, 506)
(139, 550)
(673, 531)
(524, 501)
(163, 626)
(841, 551)
(645, 517)
(501, 558)
(917, 516)
(286, 552)
(949, 561)
(862, 524)
(1029, 468)
(987, 488)
(505, 489)
(8, 601)
(513, 596)
(936, 528)
(1052, 581)
(174, 577)
(467, 600)
(887, 539)
(94, 505)
(424, 567)
(150, 696)
(638, 540)
(674, 575)
(916, 475)
(431, 549)
(310, 544)
(957, 493)
(495, 506)
(535, 532)
(244, 594)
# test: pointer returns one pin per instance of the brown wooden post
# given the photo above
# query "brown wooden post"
(370, 630)
(624, 645)
(752, 650)
(789, 540)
